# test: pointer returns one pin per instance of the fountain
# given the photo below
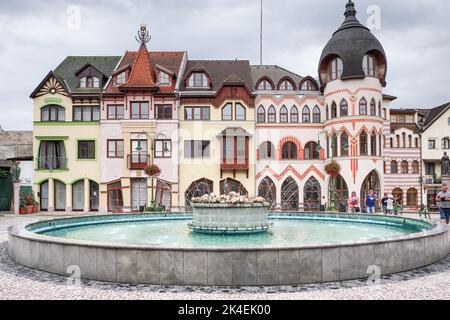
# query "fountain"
(229, 214)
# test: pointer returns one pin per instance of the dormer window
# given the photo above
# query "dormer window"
(335, 68)
(121, 78)
(90, 82)
(370, 66)
(198, 80)
(308, 85)
(286, 85)
(164, 78)
(265, 85)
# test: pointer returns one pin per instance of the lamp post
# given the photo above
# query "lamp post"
(421, 130)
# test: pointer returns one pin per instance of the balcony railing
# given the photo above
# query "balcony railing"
(52, 163)
(138, 161)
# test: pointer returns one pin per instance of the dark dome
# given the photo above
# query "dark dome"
(351, 42)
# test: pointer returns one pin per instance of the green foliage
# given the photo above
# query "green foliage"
(333, 168)
(157, 209)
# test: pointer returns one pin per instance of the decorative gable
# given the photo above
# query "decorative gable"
(51, 85)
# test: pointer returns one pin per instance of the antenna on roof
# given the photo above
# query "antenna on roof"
(261, 37)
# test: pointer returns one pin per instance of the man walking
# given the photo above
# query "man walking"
(370, 202)
(384, 202)
(443, 198)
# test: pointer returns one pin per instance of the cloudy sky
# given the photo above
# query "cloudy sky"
(36, 35)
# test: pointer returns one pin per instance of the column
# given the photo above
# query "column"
(16, 185)
(69, 199)
(87, 196)
(51, 195)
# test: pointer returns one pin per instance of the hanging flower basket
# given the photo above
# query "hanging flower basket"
(152, 170)
(333, 168)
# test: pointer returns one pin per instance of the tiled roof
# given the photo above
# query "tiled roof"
(220, 71)
(275, 73)
(142, 74)
(434, 114)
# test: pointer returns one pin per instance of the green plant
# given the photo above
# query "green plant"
(28, 199)
(333, 168)
(152, 170)
(157, 209)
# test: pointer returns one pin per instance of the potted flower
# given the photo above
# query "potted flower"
(35, 206)
(333, 168)
(152, 170)
(22, 209)
(29, 203)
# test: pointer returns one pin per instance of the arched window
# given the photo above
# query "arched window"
(416, 143)
(344, 108)
(289, 194)
(230, 185)
(198, 80)
(308, 85)
(289, 151)
(294, 115)
(370, 66)
(53, 113)
(265, 85)
(379, 109)
(311, 151)
(363, 144)
(345, 147)
(373, 144)
(373, 107)
(312, 195)
(334, 70)
(272, 115)
(284, 115)
(394, 167)
(227, 112)
(316, 115)
(446, 143)
(268, 191)
(415, 167)
(412, 198)
(334, 145)
(392, 142)
(363, 107)
(286, 85)
(240, 112)
(405, 167)
(266, 151)
(333, 110)
(261, 115)
(306, 118)
(198, 189)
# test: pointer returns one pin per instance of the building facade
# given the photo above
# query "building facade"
(215, 126)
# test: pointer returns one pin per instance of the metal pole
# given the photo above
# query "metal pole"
(261, 36)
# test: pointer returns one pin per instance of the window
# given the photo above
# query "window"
(373, 144)
(235, 151)
(116, 112)
(86, 150)
(363, 107)
(265, 85)
(409, 141)
(344, 108)
(370, 66)
(311, 151)
(394, 167)
(284, 115)
(272, 115)
(86, 114)
(286, 85)
(415, 167)
(115, 149)
(416, 142)
(373, 108)
(405, 167)
(316, 115)
(139, 110)
(289, 151)
(121, 78)
(409, 119)
(163, 112)
(446, 143)
(363, 144)
(431, 144)
(334, 145)
(306, 117)
(334, 70)
(327, 115)
(430, 169)
(393, 118)
(53, 113)
(89, 82)
(294, 115)
(198, 80)
(227, 112)
(333, 110)
(344, 145)
(401, 119)
(164, 78)
(261, 115)
(379, 109)
(240, 112)
(197, 113)
(266, 151)
(308, 85)
(195, 149)
(163, 148)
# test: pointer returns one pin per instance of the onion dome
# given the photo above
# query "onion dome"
(353, 52)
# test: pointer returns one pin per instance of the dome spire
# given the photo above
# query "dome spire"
(350, 17)
(350, 10)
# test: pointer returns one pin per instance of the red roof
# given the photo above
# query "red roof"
(142, 75)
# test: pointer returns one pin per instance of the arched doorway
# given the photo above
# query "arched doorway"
(60, 195)
(198, 189)
(341, 194)
(163, 197)
(372, 182)
(230, 185)
(44, 195)
(398, 194)
(312, 194)
(115, 197)
(94, 196)
(412, 198)
(268, 191)
(78, 196)
(289, 195)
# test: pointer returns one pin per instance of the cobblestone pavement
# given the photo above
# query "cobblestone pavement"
(17, 282)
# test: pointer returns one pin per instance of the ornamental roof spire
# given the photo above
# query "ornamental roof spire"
(143, 36)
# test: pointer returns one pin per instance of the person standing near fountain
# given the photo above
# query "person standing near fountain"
(370, 202)
(353, 203)
(443, 198)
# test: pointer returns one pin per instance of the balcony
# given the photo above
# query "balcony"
(52, 163)
(138, 161)
(432, 180)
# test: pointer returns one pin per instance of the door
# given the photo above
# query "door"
(139, 198)
(94, 196)
(78, 196)
(44, 196)
(60, 196)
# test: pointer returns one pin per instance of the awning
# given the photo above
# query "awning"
(234, 132)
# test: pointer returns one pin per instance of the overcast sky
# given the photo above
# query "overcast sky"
(36, 35)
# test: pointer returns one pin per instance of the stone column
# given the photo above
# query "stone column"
(51, 195)
(69, 199)
(87, 196)
(16, 188)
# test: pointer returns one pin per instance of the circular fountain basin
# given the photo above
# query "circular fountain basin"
(161, 250)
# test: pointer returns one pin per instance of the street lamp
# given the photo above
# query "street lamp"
(421, 124)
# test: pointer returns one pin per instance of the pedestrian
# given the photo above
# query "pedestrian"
(353, 203)
(443, 198)
(390, 205)
(384, 202)
(370, 202)
(397, 205)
